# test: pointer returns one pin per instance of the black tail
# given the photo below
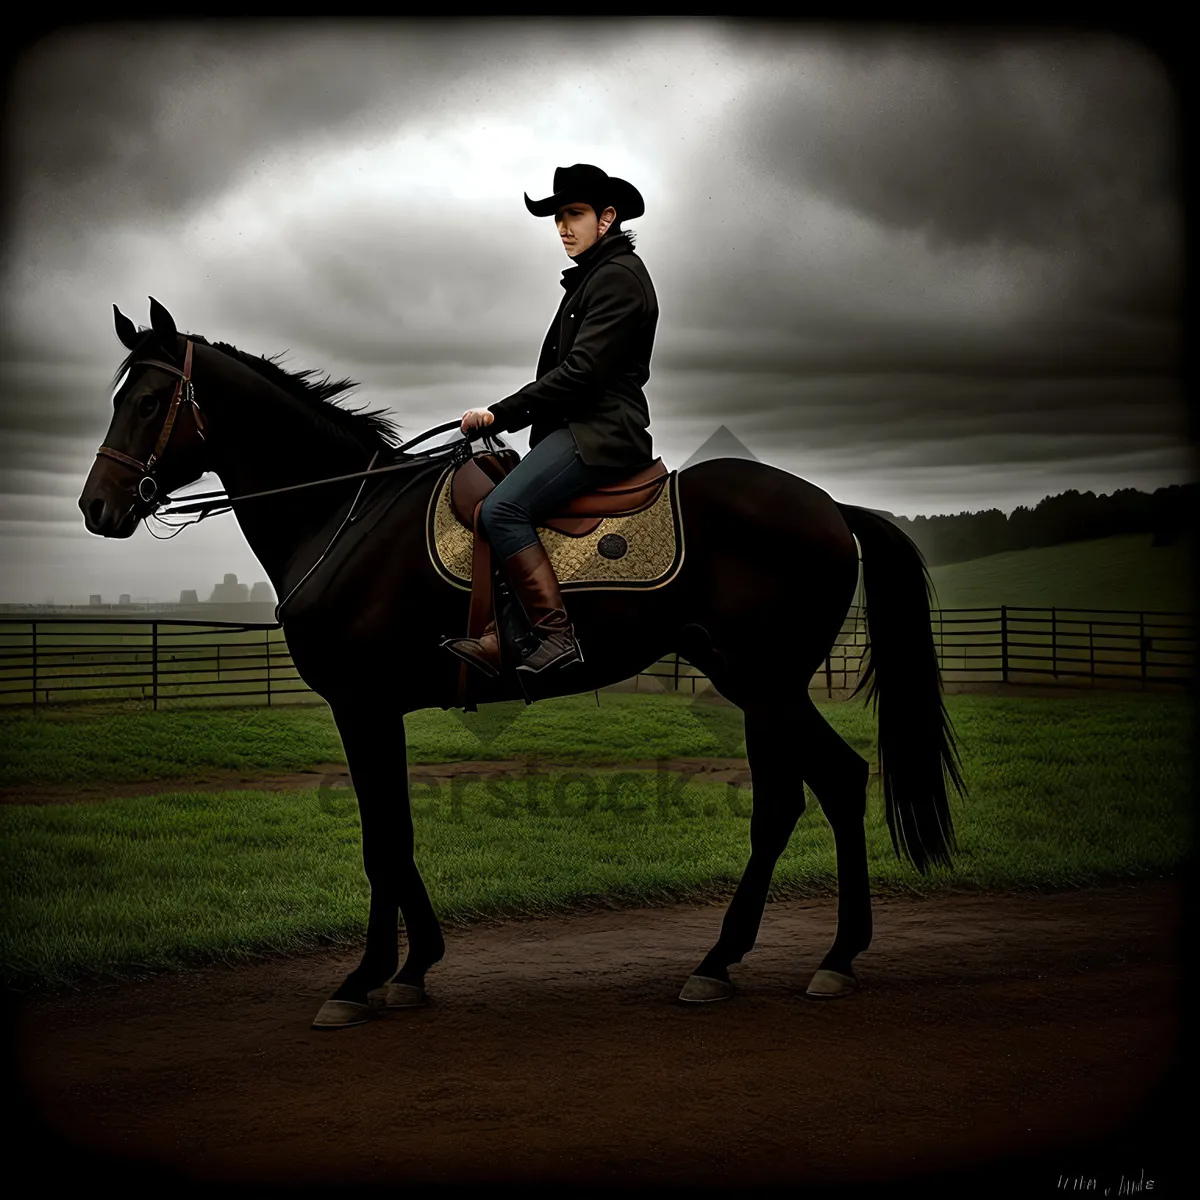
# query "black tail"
(917, 751)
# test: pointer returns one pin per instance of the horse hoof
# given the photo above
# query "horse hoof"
(700, 989)
(405, 995)
(829, 985)
(341, 1014)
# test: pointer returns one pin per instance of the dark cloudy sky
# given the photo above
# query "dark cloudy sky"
(928, 270)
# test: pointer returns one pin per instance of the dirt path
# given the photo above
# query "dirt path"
(720, 770)
(1022, 1029)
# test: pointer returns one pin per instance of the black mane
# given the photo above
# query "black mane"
(373, 430)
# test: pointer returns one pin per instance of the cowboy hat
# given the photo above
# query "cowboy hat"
(585, 183)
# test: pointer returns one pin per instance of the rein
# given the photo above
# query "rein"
(206, 500)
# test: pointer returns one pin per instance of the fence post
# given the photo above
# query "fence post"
(829, 675)
(267, 644)
(33, 627)
(1004, 643)
(1142, 645)
(1091, 654)
(1054, 642)
(677, 672)
(154, 661)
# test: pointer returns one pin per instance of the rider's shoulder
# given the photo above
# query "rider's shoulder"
(622, 271)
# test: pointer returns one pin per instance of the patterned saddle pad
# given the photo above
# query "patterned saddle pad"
(641, 550)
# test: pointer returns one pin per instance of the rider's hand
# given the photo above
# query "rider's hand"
(473, 418)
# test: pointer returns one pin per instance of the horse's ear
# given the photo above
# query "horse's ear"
(125, 330)
(163, 325)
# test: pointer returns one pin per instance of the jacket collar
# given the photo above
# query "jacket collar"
(592, 257)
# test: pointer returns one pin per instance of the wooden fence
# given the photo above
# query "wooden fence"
(66, 659)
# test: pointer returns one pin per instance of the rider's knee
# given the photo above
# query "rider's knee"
(496, 509)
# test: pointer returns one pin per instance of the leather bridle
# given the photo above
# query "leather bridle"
(184, 393)
(205, 502)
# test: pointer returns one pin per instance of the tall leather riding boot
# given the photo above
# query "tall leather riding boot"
(536, 588)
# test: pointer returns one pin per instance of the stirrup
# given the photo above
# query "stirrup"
(448, 643)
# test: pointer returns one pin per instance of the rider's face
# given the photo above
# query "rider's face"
(579, 227)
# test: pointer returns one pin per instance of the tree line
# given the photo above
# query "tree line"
(1070, 516)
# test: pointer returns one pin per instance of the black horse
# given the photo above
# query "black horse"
(770, 572)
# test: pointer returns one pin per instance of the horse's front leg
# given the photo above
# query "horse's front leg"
(377, 756)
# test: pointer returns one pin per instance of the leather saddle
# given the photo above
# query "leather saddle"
(475, 479)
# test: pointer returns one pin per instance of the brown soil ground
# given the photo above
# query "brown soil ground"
(1017, 1036)
(720, 770)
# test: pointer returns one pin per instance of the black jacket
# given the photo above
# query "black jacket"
(594, 361)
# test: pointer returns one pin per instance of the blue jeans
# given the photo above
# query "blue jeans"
(545, 479)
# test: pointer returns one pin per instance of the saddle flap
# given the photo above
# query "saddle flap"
(468, 487)
(497, 463)
(475, 478)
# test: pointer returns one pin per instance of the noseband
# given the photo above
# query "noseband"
(184, 393)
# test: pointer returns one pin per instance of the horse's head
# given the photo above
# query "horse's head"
(152, 445)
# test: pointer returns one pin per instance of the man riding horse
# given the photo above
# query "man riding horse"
(586, 409)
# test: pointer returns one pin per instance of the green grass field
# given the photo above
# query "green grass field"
(70, 746)
(1118, 572)
(1062, 793)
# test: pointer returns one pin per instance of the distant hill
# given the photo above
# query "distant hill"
(1117, 572)
(1070, 516)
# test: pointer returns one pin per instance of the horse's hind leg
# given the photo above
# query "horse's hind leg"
(778, 803)
(788, 745)
(838, 777)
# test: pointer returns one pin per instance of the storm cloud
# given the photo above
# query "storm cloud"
(929, 270)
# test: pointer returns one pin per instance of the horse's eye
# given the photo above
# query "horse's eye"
(147, 406)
